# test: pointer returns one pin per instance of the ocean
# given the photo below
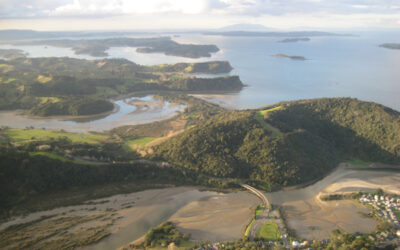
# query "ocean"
(342, 66)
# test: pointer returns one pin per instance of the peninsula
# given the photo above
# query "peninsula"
(98, 47)
(52, 86)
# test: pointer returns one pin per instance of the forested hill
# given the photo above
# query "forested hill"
(66, 86)
(288, 143)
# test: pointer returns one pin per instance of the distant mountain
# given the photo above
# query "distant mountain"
(292, 34)
(295, 40)
(245, 27)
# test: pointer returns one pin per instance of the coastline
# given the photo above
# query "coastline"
(147, 112)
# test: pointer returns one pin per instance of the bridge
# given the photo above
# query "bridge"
(258, 194)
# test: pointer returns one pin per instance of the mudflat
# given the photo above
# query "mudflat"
(221, 217)
(313, 218)
(127, 217)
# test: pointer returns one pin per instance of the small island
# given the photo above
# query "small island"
(390, 45)
(295, 40)
(273, 33)
(298, 58)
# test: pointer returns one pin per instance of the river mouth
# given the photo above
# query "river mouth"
(127, 217)
(127, 111)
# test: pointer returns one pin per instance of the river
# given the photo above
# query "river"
(126, 113)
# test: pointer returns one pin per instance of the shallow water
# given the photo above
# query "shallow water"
(150, 214)
(304, 209)
(125, 115)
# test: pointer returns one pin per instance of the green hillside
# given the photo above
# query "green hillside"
(288, 143)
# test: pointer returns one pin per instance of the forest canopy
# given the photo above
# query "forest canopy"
(288, 143)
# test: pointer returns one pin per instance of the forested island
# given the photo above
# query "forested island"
(98, 47)
(390, 45)
(294, 40)
(299, 58)
(67, 86)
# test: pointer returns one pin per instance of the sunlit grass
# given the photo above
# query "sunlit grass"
(7, 80)
(397, 213)
(44, 79)
(51, 155)
(49, 99)
(269, 231)
(263, 112)
(246, 233)
(259, 210)
(140, 142)
(24, 135)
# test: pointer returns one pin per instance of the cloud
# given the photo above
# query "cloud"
(203, 11)
(123, 7)
(41, 8)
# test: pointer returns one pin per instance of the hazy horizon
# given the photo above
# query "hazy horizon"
(199, 14)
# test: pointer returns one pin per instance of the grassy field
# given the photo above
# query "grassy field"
(397, 213)
(139, 142)
(246, 233)
(51, 155)
(358, 162)
(263, 112)
(269, 231)
(259, 210)
(61, 158)
(24, 135)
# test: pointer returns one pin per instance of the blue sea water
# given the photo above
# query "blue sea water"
(341, 66)
(335, 67)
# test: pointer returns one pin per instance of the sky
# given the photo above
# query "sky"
(197, 14)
